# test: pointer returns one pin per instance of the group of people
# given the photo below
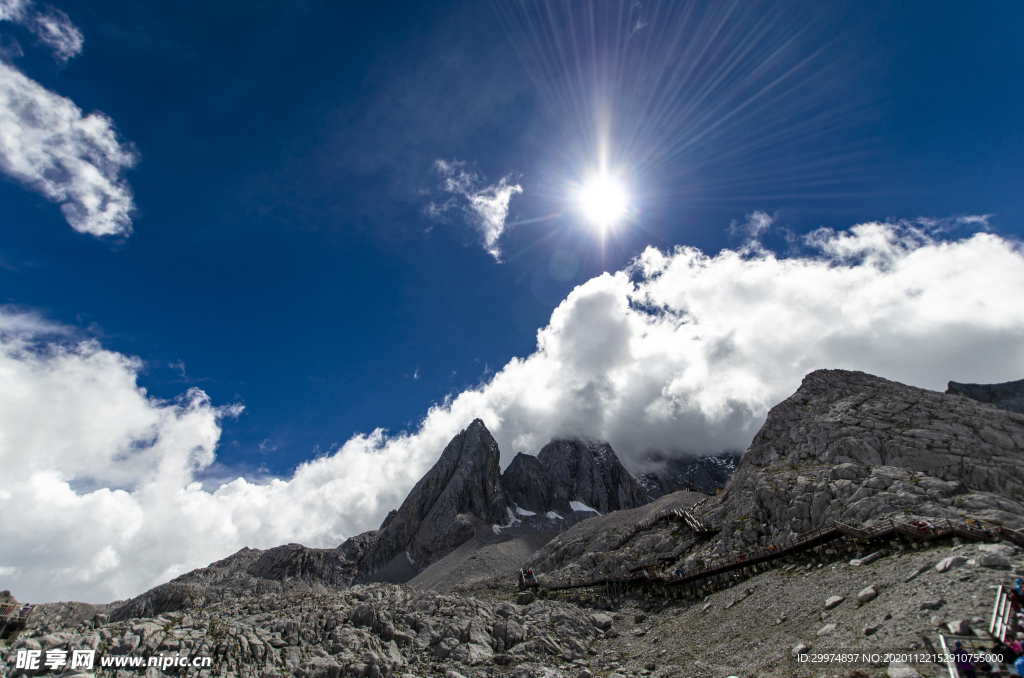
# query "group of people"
(1009, 650)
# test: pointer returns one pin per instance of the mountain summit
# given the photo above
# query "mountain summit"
(458, 498)
(572, 475)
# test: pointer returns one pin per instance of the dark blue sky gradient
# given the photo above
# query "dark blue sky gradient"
(282, 252)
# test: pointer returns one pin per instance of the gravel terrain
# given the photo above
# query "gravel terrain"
(379, 630)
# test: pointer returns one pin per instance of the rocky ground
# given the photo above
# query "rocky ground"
(846, 446)
(751, 629)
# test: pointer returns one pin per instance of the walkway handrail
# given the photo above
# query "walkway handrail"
(819, 535)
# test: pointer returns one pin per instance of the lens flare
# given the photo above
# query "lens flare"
(603, 199)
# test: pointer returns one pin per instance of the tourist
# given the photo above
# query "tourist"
(963, 661)
(1016, 644)
(1006, 654)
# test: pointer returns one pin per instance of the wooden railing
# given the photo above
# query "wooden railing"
(914, 530)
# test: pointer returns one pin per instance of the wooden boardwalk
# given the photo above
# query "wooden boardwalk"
(716, 573)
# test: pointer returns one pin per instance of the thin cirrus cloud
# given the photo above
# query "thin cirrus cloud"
(49, 146)
(485, 206)
(683, 352)
(52, 27)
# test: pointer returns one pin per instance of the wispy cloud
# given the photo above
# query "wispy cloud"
(485, 206)
(52, 27)
(49, 146)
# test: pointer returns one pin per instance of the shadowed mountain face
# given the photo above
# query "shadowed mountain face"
(846, 446)
(696, 474)
(568, 472)
(463, 497)
(458, 497)
(853, 447)
(1007, 396)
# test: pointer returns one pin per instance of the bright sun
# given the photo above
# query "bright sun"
(603, 200)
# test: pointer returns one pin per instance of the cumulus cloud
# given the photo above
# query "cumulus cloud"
(52, 27)
(486, 207)
(683, 352)
(50, 147)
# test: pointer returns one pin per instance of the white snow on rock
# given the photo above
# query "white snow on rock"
(580, 506)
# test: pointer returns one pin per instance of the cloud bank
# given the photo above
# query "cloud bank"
(486, 207)
(682, 352)
(50, 147)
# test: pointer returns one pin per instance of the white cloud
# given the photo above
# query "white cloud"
(52, 27)
(756, 224)
(683, 352)
(49, 146)
(487, 207)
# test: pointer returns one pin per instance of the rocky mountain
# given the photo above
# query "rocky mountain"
(460, 497)
(572, 475)
(464, 499)
(697, 474)
(854, 447)
(846, 446)
(1006, 396)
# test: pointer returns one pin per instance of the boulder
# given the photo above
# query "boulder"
(799, 649)
(866, 560)
(995, 562)
(950, 563)
(959, 628)
(826, 629)
(525, 598)
(601, 621)
(1004, 550)
(866, 595)
(833, 601)
(931, 604)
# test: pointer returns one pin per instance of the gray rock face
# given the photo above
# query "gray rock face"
(852, 447)
(446, 506)
(698, 474)
(248, 572)
(568, 471)
(1006, 396)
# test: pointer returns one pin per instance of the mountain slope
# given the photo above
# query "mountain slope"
(568, 473)
(458, 497)
(854, 447)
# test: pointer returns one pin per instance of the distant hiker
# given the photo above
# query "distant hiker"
(963, 661)
(1015, 647)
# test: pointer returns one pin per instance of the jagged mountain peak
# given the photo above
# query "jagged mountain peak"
(460, 495)
(569, 474)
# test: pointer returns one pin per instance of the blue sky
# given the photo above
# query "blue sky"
(293, 248)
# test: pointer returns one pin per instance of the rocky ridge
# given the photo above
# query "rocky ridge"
(845, 446)
(1008, 395)
(891, 604)
(697, 474)
(853, 447)
(457, 499)
(572, 475)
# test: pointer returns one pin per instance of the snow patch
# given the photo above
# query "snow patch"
(524, 512)
(580, 506)
(552, 514)
(512, 521)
